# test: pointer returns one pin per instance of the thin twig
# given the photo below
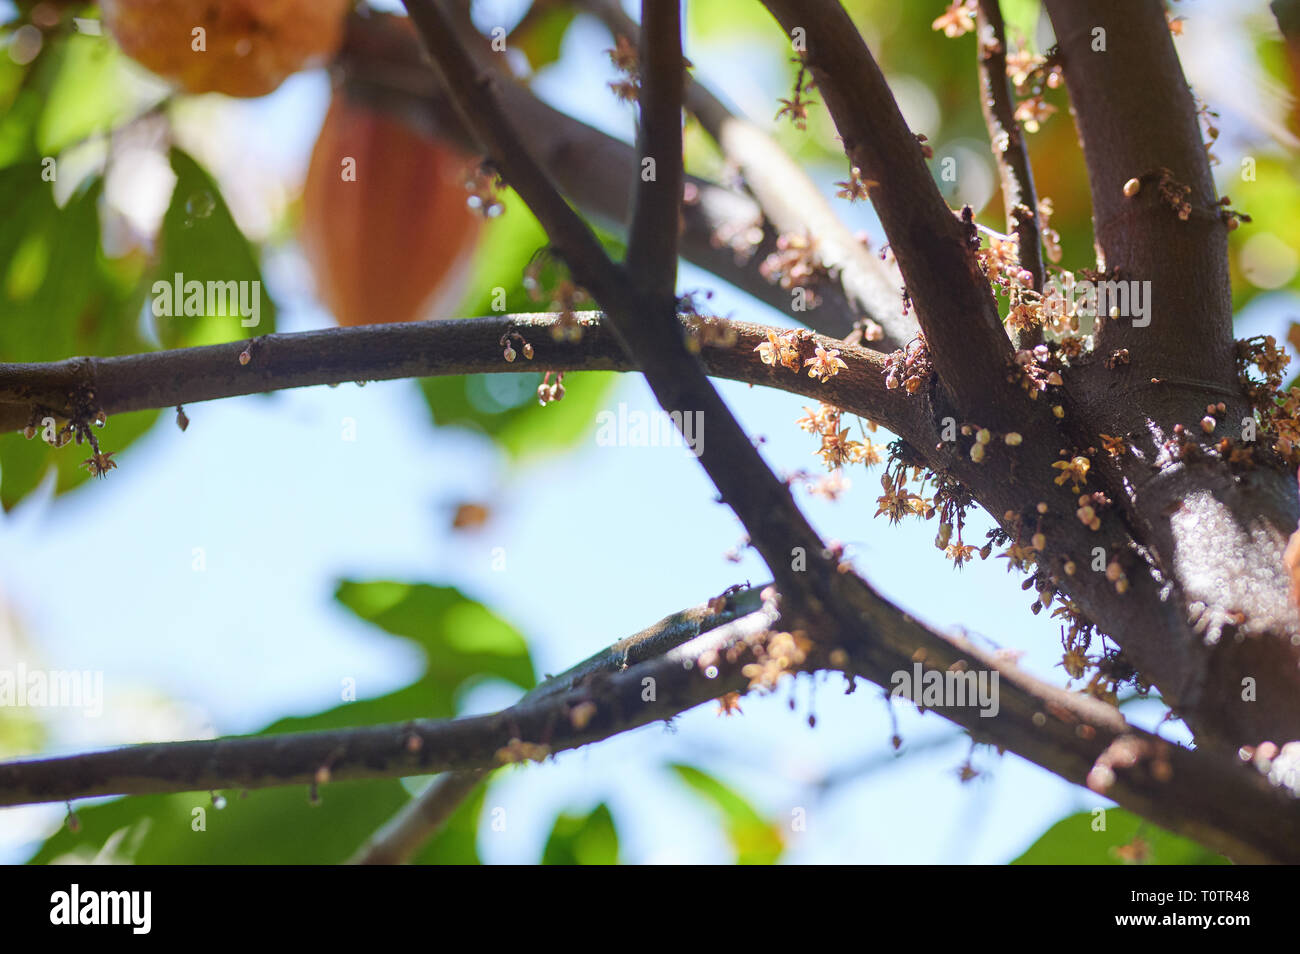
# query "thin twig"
(403, 835)
(1009, 152)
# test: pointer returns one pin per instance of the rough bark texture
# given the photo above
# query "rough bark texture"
(1200, 544)
(1201, 604)
(1217, 533)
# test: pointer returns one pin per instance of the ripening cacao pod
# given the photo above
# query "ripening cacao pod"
(385, 223)
(236, 47)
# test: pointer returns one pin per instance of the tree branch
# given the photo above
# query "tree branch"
(794, 205)
(725, 230)
(162, 379)
(418, 820)
(1199, 676)
(953, 301)
(1223, 803)
(1004, 484)
(1216, 533)
(652, 243)
(421, 818)
(1009, 151)
(763, 504)
(600, 706)
(1137, 120)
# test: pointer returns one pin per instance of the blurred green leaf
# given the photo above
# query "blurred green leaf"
(266, 826)
(201, 243)
(505, 407)
(1021, 19)
(756, 840)
(583, 839)
(86, 96)
(1265, 248)
(541, 33)
(59, 298)
(18, 127)
(463, 641)
(726, 19)
(1127, 838)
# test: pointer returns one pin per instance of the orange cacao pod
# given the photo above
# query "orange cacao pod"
(385, 223)
(236, 47)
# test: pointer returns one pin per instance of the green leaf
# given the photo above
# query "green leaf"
(756, 840)
(59, 297)
(1273, 203)
(266, 826)
(463, 642)
(541, 33)
(726, 19)
(87, 94)
(1021, 19)
(506, 245)
(18, 127)
(49, 265)
(504, 406)
(583, 839)
(1073, 841)
(201, 243)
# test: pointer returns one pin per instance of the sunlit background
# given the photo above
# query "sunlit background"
(200, 576)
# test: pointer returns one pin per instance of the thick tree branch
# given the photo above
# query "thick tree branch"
(652, 242)
(1216, 533)
(953, 301)
(1009, 151)
(162, 379)
(1137, 120)
(970, 353)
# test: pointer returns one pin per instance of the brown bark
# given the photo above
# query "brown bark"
(1216, 532)
(1200, 541)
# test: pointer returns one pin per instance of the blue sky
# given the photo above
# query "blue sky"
(599, 543)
